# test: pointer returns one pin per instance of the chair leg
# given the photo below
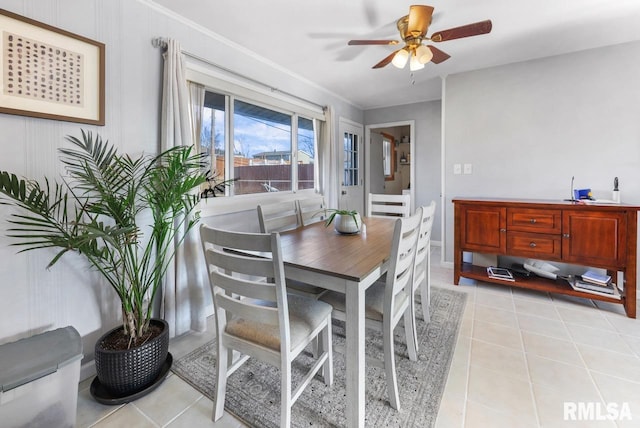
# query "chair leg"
(411, 333)
(327, 346)
(221, 381)
(414, 331)
(390, 366)
(425, 290)
(285, 395)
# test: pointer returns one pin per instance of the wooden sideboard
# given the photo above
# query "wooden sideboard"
(594, 235)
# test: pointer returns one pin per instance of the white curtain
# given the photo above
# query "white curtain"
(329, 158)
(196, 107)
(183, 298)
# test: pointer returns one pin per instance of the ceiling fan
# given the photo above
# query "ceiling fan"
(413, 31)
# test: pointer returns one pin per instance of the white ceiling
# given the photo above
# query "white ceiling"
(309, 37)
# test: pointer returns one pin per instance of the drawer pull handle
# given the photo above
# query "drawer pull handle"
(532, 245)
(565, 235)
(533, 220)
(503, 230)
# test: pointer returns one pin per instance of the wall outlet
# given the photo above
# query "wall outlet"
(467, 168)
(457, 169)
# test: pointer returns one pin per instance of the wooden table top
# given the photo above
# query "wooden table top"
(352, 257)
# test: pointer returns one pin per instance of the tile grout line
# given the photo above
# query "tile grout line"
(526, 363)
(468, 375)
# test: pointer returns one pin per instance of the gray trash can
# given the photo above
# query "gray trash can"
(39, 378)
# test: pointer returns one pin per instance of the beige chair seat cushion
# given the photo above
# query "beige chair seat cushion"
(374, 302)
(305, 315)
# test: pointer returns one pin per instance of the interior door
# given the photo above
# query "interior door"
(351, 195)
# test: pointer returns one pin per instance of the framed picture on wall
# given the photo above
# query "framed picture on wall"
(50, 73)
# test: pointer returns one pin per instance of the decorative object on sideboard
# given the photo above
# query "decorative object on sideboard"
(616, 191)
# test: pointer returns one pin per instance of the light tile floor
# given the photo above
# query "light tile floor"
(520, 356)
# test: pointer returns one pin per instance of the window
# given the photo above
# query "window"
(262, 148)
(263, 139)
(388, 157)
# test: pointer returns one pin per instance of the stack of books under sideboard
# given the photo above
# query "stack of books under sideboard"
(594, 283)
(500, 273)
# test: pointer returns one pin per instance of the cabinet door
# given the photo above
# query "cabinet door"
(594, 238)
(483, 229)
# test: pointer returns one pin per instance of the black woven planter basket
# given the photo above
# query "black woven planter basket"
(124, 373)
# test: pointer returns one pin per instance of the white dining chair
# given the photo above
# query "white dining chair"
(386, 302)
(258, 318)
(312, 210)
(280, 217)
(422, 266)
(382, 205)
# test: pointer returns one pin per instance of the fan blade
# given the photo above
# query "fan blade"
(387, 60)
(475, 29)
(438, 55)
(372, 42)
(419, 20)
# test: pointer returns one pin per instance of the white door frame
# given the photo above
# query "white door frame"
(412, 148)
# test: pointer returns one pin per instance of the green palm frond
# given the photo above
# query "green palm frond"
(94, 211)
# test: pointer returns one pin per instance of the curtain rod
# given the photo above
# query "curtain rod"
(160, 42)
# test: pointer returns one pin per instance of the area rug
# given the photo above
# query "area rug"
(253, 392)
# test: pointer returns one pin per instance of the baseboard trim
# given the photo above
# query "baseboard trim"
(87, 370)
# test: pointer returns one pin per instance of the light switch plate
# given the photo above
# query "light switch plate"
(467, 168)
(457, 169)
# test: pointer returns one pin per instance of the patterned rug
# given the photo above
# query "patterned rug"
(253, 392)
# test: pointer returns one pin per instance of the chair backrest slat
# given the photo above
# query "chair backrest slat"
(312, 210)
(258, 313)
(244, 287)
(382, 205)
(278, 217)
(225, 259)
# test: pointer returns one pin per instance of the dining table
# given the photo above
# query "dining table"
(347, 263)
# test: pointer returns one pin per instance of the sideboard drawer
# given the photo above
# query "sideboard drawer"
(534, 220)
(536, 245)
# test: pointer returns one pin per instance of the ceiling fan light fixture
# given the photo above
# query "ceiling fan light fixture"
(415, 64)
(400, 58)
(424, 54)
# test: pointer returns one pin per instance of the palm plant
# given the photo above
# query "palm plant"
(97, 212)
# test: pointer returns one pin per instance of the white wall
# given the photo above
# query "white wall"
(527, 128)
(427, 149)
(376, 167)
(33, 299)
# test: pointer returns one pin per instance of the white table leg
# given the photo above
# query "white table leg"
(355, 354)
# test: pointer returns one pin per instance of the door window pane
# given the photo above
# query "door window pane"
(351, 149)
